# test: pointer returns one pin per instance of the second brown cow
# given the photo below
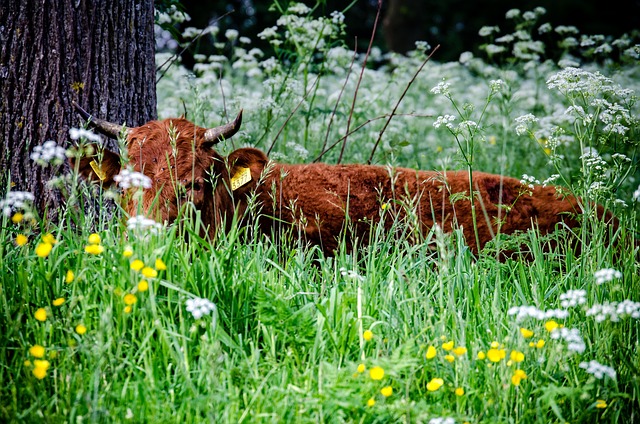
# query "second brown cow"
(321, 201)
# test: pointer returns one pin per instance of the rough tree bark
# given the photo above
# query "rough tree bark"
(98, 53)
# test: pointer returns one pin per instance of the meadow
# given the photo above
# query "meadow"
(109, 318)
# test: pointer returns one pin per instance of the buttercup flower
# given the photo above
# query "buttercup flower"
(551, 325)
(127, 252)
(435, 384)
(526, 333)
(495, 355)
(160, 265)
(460, 350)
(387, 391)
(21, 240)
(94, 238)
(40, 314)
(58, 302)
(516, 356)
(371, 402)
(149, 272)
(431, 352)
(376, 373)
(81, 329)
(41, 367)
(43, 249)
(481, 355)
(137, 265)
(459, 391)
(69, 277)
(49, 238)
(601, 404)
(448, 345)
(36, 351)
(361, 368)
(518, 376)
(143, 286)
(94, 249)
(130, 299)
(367, 335)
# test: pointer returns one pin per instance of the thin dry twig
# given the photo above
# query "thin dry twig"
(393, 112)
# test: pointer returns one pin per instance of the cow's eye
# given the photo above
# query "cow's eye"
(197, 186)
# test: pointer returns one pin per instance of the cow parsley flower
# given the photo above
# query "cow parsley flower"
(606, 274)
(523, 312)
(78, 133)
(523, 122)
(598, 370)
(529, 181)
(351, 274)
(200, 307)
(614, 310)
(441, 88)
(48, 154)
(571, 336)
(441, 420)
(445, 120)
(486, 31)
(512, 13)
(231, 34)
(16, 201)
(127, 179)
(573, 298)
(142, 223)
(636, 195)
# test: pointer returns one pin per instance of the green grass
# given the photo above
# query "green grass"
(287, 335)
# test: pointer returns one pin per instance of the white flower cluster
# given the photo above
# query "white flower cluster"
(78, 133)
(351, 274)
(529, 181)
(523, 122)
(127, 179)
(15, 201)
(48, 154)
(441, 88)
(200, 307)
(143, 223)
(573, 298)
(486, 31)
(614, 311)
(598, 370)
(440, 420)
(523, 312)
(571, 336)
(606, 274)
(636, 195)
(578, 81)
(445, 120)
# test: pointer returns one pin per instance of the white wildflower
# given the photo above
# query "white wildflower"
(142, 223)
(441, 420)
(127, 179)
(571, 336)
(485, 31)
(445, 120)
(351, 274)
(78, 133)
(523, 312)
(573, 298)
(529, 16)
(598, 370)
(508, 38)
(613, 311)
(512, 13)
(606, 274)
(16, 201)
(523, 122)
(231, 34)
(441, 88)
(545, 28)
(268, 33)
(200, 307)
(48, 154)
(298, 8)
(529, 181)
(465, 57)
(492, 49)
(636, 195)
(552, 179)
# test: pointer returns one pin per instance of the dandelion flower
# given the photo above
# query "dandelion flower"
(526, 333)
(460, 350)
(137, 265)
(601, 404)
(518, 376)
(481, 355)
(130, 299)
(41, 314)
(367, 335)
(43, 249)
(41, 367)
(449, 358)
(160, 265)
(371, 402)
(94, 249)
(21, 240)
(448, 345)
(17, 217)
(94, 238)
(540, 344)
(143, 286)
(49, 238)
(435, 384)
(516, 356)
(361, 368)
(386, 391)
(149, 272)
(127, 252)
(495, 355)
(36, 351)
(551, 325)
(376, 373)
(69, 277)
(81, 329)
(128, 309)
(459, 391)
(431, 352)
(58, 302)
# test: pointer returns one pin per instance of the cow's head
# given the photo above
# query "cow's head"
(176, 155)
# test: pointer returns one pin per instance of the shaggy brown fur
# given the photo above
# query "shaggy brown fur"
(322, 201)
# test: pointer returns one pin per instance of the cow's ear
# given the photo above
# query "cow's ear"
(245, 169)
(97, 166)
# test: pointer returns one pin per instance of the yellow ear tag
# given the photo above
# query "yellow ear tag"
(240, 178)
(96, 168)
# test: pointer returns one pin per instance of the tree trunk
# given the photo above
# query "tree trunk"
(97, 53)
(405, 23)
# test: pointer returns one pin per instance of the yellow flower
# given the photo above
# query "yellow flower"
(459, 391)
(43, 249)
(435, 384)
(81, 329)
(386, 391)
(481, 355)
(160, 265)
(431, 352)
(460, 350)
(384, 206)
(149, 272)
(137, 265)
(361, 368)
(540, 344)
(371, 402)
(601, 404)
(495, 345)
(143, 286)
(450, 358)
(27, 363)
(130, 299)
(94, 238)
(69, 277)
(36, 351)
(448, 345)
(127, 252)
(495, 355)
(516, 356)
(49, 238)
(128, 309)
(94, 249)
(58, 302)
(526, 333)
(517, 377)
(21, 240)
(376, 373)
(41, 314)
(17, 217)
(39, 372)
(551, 325)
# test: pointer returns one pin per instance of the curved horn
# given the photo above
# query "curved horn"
(105, 127)
(217, 134)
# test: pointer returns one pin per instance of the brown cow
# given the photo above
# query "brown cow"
(321, 201)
